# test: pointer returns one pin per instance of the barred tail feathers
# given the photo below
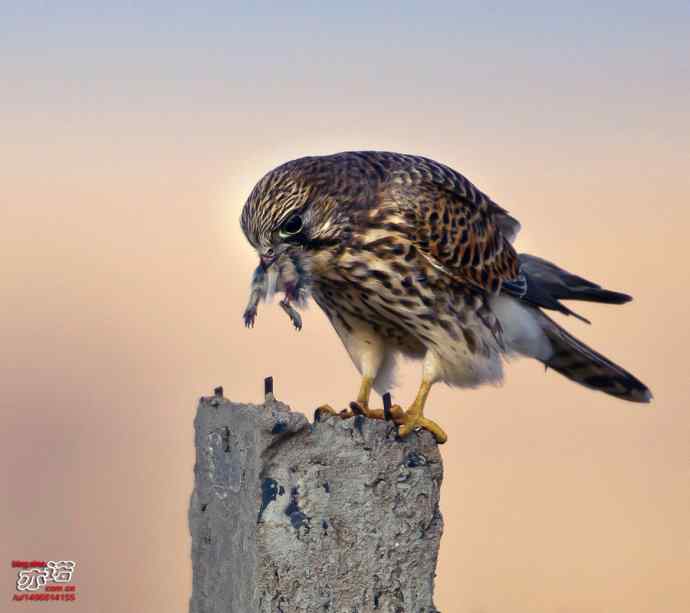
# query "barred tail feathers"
(543, 284)
(579, 363)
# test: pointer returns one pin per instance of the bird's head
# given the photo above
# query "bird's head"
(291, 220)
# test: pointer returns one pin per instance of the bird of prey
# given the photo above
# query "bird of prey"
(406, 256)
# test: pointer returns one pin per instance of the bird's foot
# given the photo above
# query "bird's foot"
(356, 408)
(407, 421)
(389, 412)
(412, 420)
(323, 411)
(327, 409)
(362, 408)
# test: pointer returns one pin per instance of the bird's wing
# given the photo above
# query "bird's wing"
(455, 226)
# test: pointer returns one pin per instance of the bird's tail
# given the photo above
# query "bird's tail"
(543, 284)
(575, 360)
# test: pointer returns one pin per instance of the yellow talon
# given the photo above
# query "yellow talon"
(414, 418)
(359, 408)
(361, 405)
(356, 408)
(411, 423)
(408, 421)
(324, 408)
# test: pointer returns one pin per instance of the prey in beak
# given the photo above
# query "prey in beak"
(271, 276)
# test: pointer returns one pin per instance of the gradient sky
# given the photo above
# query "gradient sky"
(130, 138)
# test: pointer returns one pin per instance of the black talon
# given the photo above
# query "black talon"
(356, 409)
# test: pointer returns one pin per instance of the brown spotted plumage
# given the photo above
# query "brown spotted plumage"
(406, 256)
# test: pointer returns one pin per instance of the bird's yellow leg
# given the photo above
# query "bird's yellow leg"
(414, 418)
(361, 405)
(365, 392)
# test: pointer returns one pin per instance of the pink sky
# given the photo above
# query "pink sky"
(124, 274)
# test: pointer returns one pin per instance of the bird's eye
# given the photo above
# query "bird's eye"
(292, 226)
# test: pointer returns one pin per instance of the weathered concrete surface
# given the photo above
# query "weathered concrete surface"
(288, 517)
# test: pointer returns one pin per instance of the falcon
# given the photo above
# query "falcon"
(406, 256)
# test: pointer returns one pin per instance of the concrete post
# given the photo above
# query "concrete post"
(286, 516)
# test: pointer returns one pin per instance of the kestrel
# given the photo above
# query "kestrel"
(406, 256)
